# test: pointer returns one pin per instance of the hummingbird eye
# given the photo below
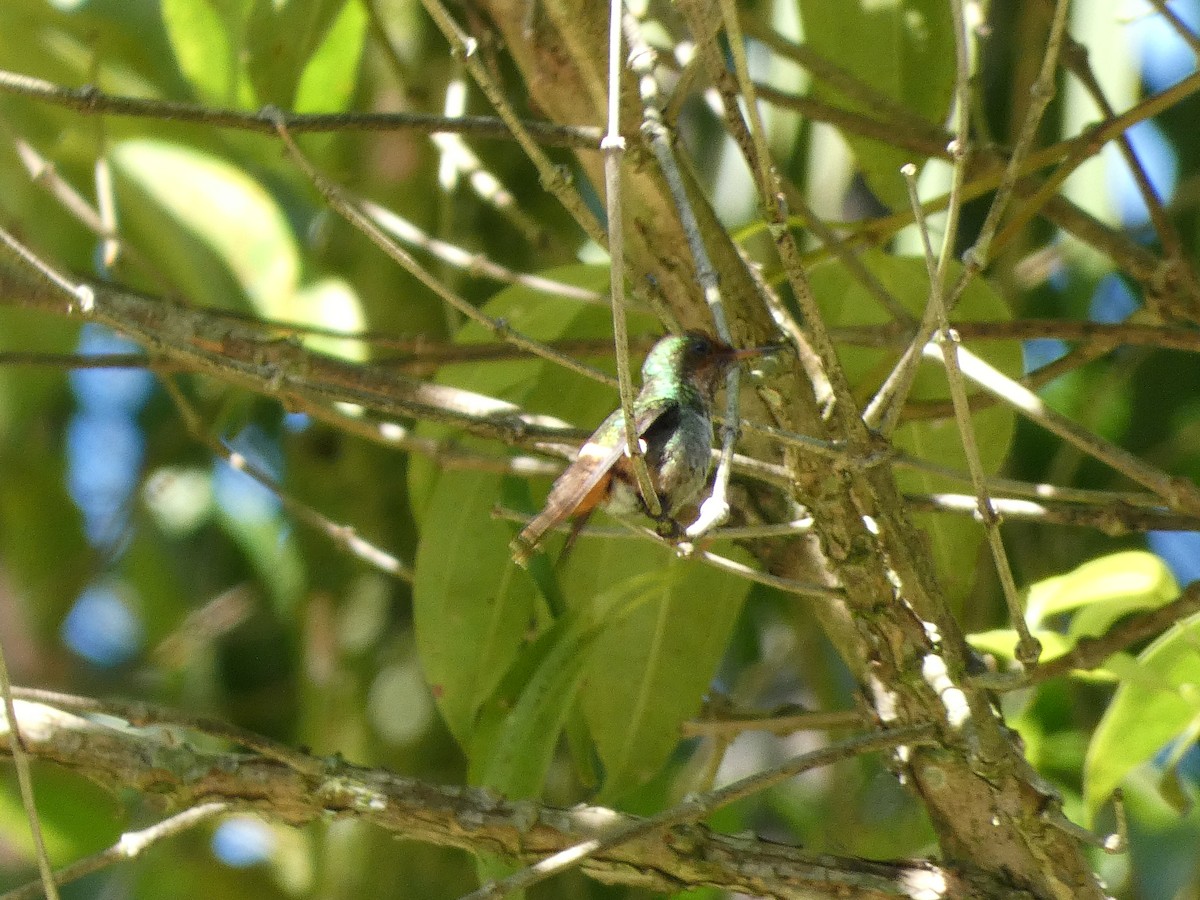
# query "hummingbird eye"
(699, 346)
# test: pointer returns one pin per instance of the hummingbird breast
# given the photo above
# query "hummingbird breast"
(678, 453)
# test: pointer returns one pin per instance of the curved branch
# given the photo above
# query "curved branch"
(471, 819)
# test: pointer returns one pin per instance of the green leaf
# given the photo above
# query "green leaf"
(520, 727)
(206, 36)
(1103, 590)
(651, 665)
(845, 302)
(903, 48)
(330, 77)
(1157, 703)
(471, 605)
(205, 199)
(282, 37)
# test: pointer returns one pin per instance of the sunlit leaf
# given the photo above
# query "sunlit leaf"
(220, 206)
(282, 37)
(652, 666)
(331, 74)
(206, 36)
(1157, 703)
(1101, 591)
(904, 49)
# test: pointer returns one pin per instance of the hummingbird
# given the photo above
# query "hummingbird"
(673, 417)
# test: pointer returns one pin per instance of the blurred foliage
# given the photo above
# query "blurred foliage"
(569, 682)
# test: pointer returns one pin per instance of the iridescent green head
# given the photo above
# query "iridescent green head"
(693, 360)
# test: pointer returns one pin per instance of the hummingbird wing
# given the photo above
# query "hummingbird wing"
(584, 483)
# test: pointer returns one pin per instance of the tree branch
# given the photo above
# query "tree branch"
(471, 819)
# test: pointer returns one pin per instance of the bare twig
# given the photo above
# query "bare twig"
(343, 536)
(474, 263)
(90, 100)
(130, 845)
(613, 146)
(715, 508)
(16, 746)
(782, 721)
(553, 179)
(1091, 652)
(1178, 492)
(948, 341)
(367, 226)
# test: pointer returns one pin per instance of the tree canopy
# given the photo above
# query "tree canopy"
(304, 304)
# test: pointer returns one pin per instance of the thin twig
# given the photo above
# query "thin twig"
(613, 146)
(715, 508)
(356, 217)
(782, 721)
(552, 177)
(130, 845)
(78, 360)
(1028, 648)
(473, 263)
(825, 367)
(1092, 652)
(25, 784)
(90, 100)
(883, 412)
(1041, 93)
(1180, 26)
(1178, 492)
(1112, 518)
(342, 536)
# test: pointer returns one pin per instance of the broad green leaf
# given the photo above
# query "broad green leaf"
(1103, 590)
(651, 666)
(1157, 703)
(219, 205)
(519, 732)
(206, 36)
(520, 726)
(282, 36)
(330, 77)
(845, 302)
(471, 605)
(902, 48)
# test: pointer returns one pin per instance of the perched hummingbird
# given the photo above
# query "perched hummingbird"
(673, 417)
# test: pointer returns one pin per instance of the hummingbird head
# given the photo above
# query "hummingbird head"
(694, 359)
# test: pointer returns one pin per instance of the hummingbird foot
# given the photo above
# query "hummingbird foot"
(668, 529)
